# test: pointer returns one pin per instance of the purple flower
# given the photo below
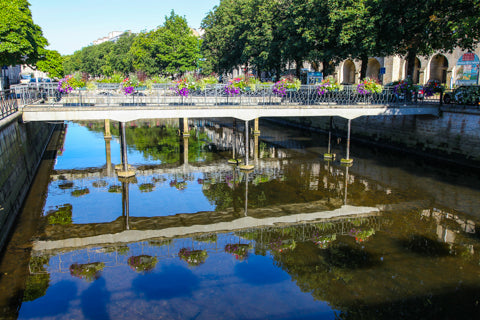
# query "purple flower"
(231, 90)
(128, 90)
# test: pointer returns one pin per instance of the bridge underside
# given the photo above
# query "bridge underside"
(131, 113)
(182, 225)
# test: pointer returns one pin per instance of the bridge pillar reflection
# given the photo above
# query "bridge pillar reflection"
(347, 160)
(126, 199)
(234, 159)
(108, 154)
(184, 148)
(329, 155)
(246, 166)
(125, 171)
(185, 131)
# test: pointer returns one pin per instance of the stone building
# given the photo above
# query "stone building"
(444, 67)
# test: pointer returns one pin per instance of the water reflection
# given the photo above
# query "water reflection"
(260, 244)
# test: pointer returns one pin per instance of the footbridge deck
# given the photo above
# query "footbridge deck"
(214, 102)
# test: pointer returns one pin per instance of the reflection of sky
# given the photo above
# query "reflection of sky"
(86, 149)
(99, 205)
(220, 288)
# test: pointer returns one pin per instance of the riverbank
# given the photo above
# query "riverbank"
(22, 146)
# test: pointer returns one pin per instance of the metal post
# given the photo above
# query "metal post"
(246, 143)
(348, 138)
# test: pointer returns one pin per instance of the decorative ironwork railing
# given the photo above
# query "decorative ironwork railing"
(217, 95)
(8, 104)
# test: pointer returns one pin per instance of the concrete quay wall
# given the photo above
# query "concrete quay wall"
(21, 149)
(453, 136)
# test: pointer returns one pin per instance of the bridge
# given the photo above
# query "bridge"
(213, 101)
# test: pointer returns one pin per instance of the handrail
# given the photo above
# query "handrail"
(215, 95)
(8, 103)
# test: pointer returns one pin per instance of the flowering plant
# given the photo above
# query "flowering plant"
(280, 245)
(87, 271)
(361, 235)
(240, 250)
(193, 257)
(235, 86)
(368, 86)
(184, 85)
(432, 87)
(280, 87)
(323, 241)
(64, 85)
(404, 86)
(128, 86)
(142, 263)
(328, 84)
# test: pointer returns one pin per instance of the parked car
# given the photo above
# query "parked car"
(463, 95)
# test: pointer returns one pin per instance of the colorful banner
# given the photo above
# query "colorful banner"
(467, 69)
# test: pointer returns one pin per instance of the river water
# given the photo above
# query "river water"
(193, 237)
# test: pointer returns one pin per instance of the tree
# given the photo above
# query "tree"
(420, 27)
(21, 40)
(52, 64)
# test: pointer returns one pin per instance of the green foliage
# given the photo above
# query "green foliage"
(52, 63)
(38, 280)
(21, 40)
(169, 50)
(61, 216)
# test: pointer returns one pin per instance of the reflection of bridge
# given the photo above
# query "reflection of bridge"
(181, 225)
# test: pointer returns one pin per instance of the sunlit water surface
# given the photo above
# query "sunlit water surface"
(191, 237)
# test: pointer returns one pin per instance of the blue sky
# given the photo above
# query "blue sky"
(70, 25)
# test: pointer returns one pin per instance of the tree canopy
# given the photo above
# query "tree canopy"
(272, 33)
(21, 40)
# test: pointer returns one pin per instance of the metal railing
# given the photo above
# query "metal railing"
(216, 95)
(8, 104)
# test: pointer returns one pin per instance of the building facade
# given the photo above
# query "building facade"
(451, 69)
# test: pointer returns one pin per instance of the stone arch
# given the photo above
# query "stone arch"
(373, 69)
(348, 72)
(438, 68)
(416, 70)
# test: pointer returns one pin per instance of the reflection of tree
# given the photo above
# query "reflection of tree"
(62, 215)
(38, 280)
(163, 143)
(377, 279)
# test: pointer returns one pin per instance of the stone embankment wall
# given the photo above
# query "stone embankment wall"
(21, 149)
(454, 136)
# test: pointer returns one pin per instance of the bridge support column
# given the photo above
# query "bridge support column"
(256, 134)
(234, 159)
(125, 171)
(347, 160)
(246, 166)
